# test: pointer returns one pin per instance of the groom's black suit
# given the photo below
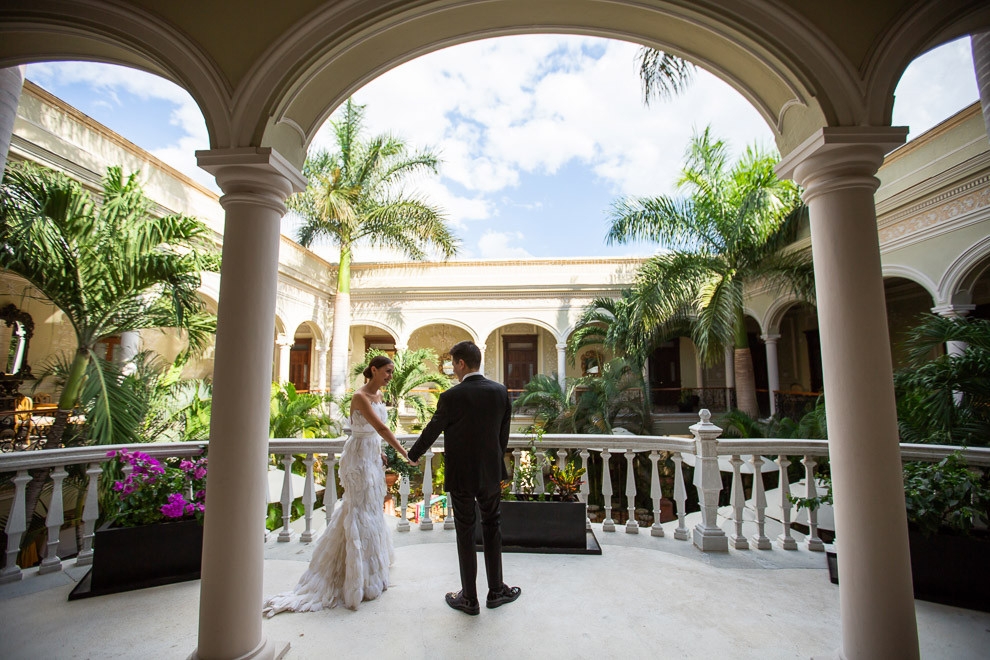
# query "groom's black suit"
(474, 419)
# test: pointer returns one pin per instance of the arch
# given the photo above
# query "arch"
(777, 310)
(377, 324)
(123, 34)
(313, 328)
(445, 321)
(279, 326)
(531, 321)
(913, 274)
(959, 276)
(748, 311)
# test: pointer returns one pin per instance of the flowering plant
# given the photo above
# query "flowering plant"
(155, 491)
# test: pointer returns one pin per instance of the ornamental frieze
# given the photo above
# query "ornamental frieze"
(956, 209)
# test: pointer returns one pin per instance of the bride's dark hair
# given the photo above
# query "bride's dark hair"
(377, 362)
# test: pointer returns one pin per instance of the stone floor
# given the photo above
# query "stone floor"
(644, 597)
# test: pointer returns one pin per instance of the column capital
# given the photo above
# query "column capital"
(839, 157)
(322, 347)
(770, 338)
(561, 346)
(257, 175)
(401, 347)
(284, 341)
(953, 311)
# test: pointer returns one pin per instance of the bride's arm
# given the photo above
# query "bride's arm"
(364, 407)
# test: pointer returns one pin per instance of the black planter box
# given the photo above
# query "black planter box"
(952, 570)
(544, 527)
(947, 569)
(127, 558)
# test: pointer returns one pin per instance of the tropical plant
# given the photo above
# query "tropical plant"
(567, 481)
(412, 372)
(946, 496)
(547, 400)
(295, 415)
(732, 229)
(355, 195)
(662, 75)
(110, 267)
(618, 393)
(945, 400)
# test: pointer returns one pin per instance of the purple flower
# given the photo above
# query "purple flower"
(118, 485)
(186, 465)
(199, 473)
(200, 494)
(176, 506)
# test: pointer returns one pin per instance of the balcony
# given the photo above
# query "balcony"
(696, 586)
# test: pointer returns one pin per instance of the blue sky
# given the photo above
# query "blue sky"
(538, 133)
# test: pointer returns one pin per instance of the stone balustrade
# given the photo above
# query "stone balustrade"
(710, 455)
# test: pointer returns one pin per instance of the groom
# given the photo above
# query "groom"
(474, 419)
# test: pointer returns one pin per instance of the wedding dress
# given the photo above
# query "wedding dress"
(352, 557)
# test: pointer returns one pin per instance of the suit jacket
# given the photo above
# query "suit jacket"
(474, 419)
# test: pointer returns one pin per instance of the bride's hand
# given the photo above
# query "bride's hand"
(384, 459)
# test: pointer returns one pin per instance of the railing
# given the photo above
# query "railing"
(704, 450)
(26, 429)
(794, 404)
(691, 399)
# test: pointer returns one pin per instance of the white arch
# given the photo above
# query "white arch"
(748, 311)
(313, 326)
(377, 324)
(531, 321)
(953, 280)
(775, 313)
(279, 324)
(914, 275)
(446, 321)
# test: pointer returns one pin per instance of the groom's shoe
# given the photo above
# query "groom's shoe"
(459, 601)
(506, 595)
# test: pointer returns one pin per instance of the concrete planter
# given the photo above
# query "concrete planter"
(544, 527)
(128, 558)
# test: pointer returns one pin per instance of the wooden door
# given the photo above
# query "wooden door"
(665, 373)
(299, 361)
(519, 363)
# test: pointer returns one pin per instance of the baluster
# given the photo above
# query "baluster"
(309, 498)
(738, 498)
(609, 524)
(426, 522)
(656, 492)
(585, 486)
(561, 459)
(403, 525)
(708, 536)
(56, 516)
(91, 511)
(448, 520)
(285, 535)
(814, 543)
(541, 460)
(632, 526)
(680, 497)
(760, 541)
(330, 489)
(16, 526)
(785, 540)
(517, 462)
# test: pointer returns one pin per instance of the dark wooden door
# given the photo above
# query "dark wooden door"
(299, 360)
(519, 362)
(665, 373)
(815, 360)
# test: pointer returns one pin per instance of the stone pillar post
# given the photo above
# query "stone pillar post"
(562, 365)
(773, 371)
(130, 346)
(11, 82)
(836, 167)
(981, 64)
(255, 182)
(321, 366)
(284, 344)
(954, 312)
(730, 376)
(708, 536)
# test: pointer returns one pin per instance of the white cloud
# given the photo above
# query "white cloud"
(935, 86)
(498, 245)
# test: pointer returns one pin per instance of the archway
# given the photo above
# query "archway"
(439, 337)
(367, 335)
(906, 302)
(515, 352)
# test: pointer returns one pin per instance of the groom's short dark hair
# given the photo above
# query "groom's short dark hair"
(467, 351)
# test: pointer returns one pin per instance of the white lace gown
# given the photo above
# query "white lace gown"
(352, 557)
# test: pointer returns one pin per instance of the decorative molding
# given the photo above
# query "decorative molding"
(952, 209)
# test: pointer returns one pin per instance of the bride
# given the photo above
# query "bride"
(351, 560)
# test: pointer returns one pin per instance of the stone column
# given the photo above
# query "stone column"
(255, 183)
(981, 64)
(836, 167)
(730, 376)
(562, 365)
(773, 371)
(321, 366)
(11, 82)
(954, 312)
(130, 346)
(284, 344)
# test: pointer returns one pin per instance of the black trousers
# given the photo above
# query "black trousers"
(464, 522)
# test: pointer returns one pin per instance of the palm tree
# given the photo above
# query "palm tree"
(546, 398)
(295, 415)
(617, 394)
(355, 195)
(110, 267)
(411, 373)
(662, 75)
(731, 230)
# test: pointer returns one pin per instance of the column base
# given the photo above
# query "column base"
(15, 575)
(53, 566)
(632, 527)
(426, 524)
(681, 534)
(761, 543)
(656, 530)
(710, 540)
(787, 542)
(816, 545)
(608, 525)
(267, 650)
(739, 543)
